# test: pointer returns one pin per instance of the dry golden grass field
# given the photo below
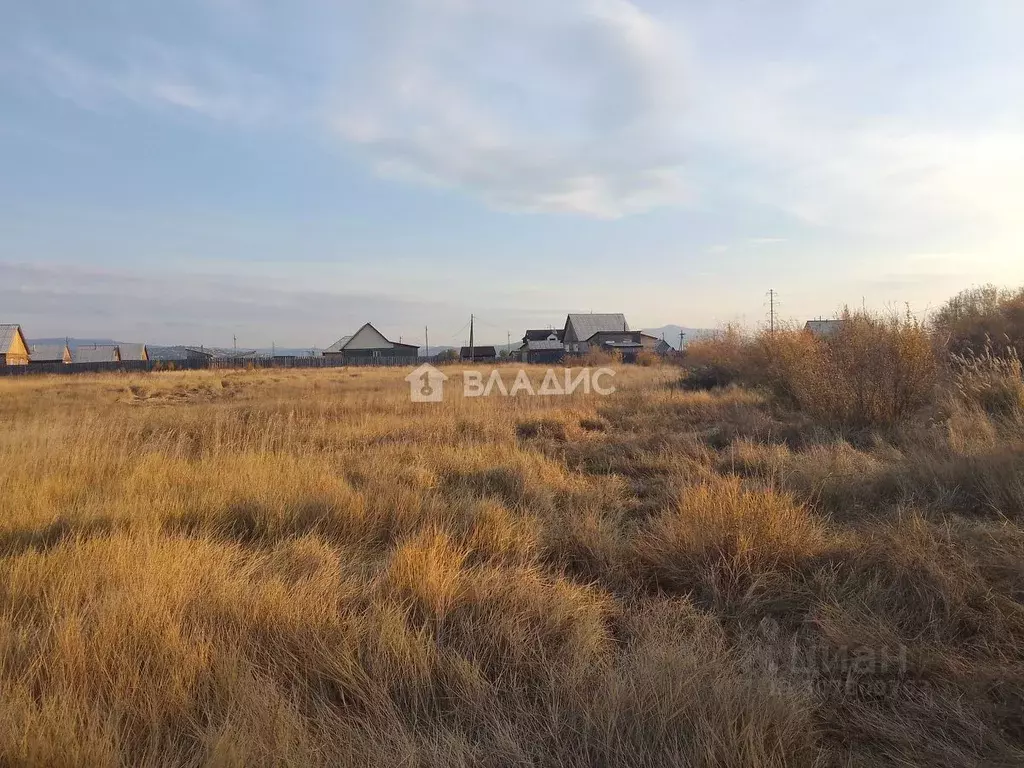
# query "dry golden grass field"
(304, 568)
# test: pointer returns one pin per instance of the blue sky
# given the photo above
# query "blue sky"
(189, 171)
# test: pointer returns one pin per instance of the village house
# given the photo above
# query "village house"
(198, 354)
(96, 353)
(133, 352)
(822, 328)
(13, 347)
(581, 327)
(367, 346)
(542, 346)
(49, 353)
(478, 354)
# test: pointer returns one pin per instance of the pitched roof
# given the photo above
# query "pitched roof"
(540, 344)
(133, 352)
(586, 325)
(7, 334)
(96, 353)
(478, 352)
(823, 327)
(339, 344)
(541, 334)
(39, 353)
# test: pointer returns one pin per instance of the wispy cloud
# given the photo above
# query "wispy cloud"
(153, 75)
(568, 107)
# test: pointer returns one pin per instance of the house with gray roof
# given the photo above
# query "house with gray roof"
(96, 353)
(13, 347)
(369, 346)
(49, 353)
(582, 328)
(823, 328)
(133, 351)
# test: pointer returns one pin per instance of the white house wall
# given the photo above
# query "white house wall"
(367, 337)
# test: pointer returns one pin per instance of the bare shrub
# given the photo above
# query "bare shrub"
(647, 358)
(725, 357)
(596, 357)
(875, 372)
(981, 319)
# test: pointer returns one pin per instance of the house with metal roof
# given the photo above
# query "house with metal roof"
(13, 347)
(581, 327)
(549, 350)
(49, 353)
(133, 351)
(477, 353)
(96, 353)
(822, 328)
(368, 346)
(198, 353)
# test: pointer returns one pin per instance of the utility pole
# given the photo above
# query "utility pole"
(234, 341)
(771, 310)
(426, 342)
(508, 343)
(471, 338)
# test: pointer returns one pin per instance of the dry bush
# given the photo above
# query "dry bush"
(647, 358)
(980, 320)
(875, 372)
(595, 358)
(722, 358)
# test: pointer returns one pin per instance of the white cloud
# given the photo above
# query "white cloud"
(534, 106)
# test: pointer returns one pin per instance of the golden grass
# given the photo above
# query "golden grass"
(304, 568)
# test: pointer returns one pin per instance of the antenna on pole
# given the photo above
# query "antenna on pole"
(508, 343)
(771, 310)
(471, 338)
(426, 342)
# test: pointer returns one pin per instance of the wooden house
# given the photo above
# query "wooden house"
(369, 346)
(581, 327)
(49, 353)
(133, 352)
(478, 354)
(13, 347)
(96, 353)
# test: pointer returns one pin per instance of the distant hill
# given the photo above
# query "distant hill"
(671, 333)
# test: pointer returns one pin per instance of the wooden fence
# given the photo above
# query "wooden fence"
(236, 363)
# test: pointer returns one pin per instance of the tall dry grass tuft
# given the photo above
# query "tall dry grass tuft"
(994, 384)
(723, 543)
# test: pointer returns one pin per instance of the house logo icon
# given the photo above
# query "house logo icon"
(426, 384)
